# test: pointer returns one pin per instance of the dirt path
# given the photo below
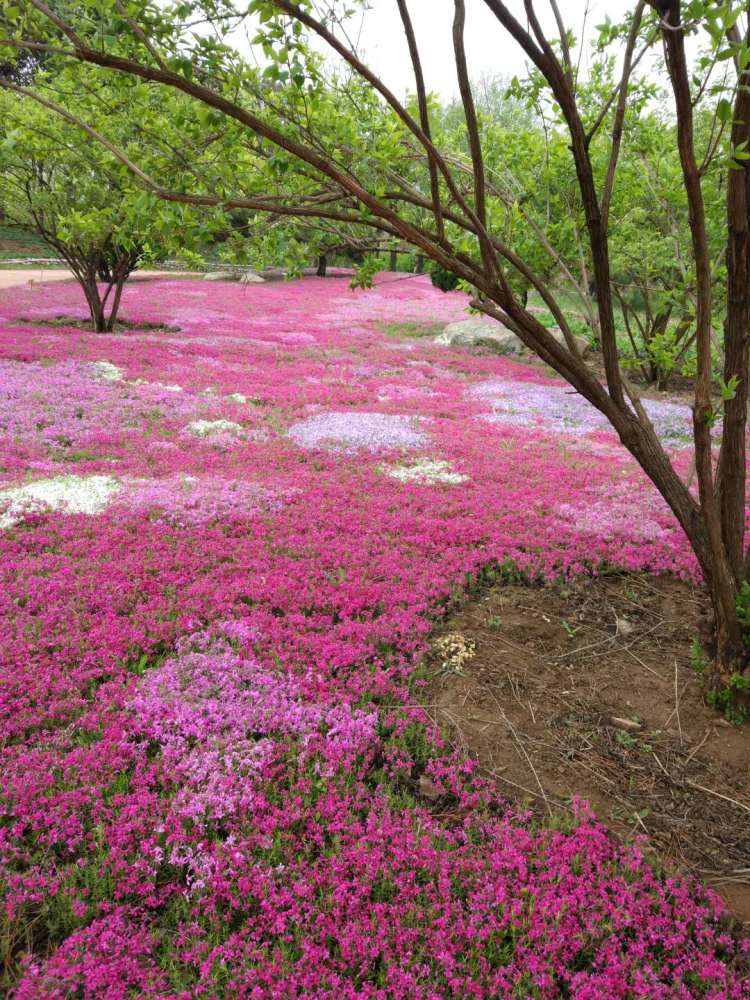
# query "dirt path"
(35, 275)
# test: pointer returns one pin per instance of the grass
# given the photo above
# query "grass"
(411, 329)
(16, 242)
(572, 307)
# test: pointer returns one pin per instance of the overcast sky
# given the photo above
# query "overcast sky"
(489, 48)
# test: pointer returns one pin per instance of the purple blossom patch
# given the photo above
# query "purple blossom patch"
(558, 407)
(348, 432)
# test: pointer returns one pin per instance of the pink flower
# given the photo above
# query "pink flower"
(211, 757)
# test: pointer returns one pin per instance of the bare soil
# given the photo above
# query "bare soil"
(37, 273)
(586, 690)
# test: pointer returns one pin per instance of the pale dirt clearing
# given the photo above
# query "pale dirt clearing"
(23, 276)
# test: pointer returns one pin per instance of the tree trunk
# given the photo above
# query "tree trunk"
(393, 263)
(722, 498)
(322, 266)
(419, 265)
(728, 661)
(731, 474)
(96, 307)
(115, 308)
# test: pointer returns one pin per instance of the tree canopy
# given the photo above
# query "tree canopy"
(60, 182)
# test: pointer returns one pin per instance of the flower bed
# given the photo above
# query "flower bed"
(212, 750)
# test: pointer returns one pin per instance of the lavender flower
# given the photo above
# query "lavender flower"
(347, 432)
(560, 408)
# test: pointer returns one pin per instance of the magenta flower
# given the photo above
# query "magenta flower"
(211, 758)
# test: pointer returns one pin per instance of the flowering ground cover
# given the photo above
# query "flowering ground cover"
(223, 545)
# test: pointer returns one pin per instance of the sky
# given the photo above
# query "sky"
(489, 49)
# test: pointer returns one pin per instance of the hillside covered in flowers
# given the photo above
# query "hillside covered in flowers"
(224, 538)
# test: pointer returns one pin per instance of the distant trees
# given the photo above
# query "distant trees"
(60, 187)
(84, 204)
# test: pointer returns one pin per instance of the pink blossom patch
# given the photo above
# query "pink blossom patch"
(212, 748)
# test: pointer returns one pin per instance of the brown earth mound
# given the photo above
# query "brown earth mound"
(587, 690)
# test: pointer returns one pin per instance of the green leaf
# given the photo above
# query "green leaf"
(724, 110)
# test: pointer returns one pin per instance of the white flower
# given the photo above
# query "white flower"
(426, 471)
(209, 428)
(74, 494)
(107, 372)
(454, 650)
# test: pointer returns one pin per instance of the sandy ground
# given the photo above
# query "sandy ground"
(11, 278)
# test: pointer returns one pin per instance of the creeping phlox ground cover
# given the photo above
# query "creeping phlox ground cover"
(222, 546)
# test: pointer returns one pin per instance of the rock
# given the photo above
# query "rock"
(247, 277)
(428, 789)
(495, 337)
(581, 343)
(481, 333)
(220, 276)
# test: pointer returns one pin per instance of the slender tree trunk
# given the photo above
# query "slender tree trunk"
(93, 299)
(393, 262)
(731, 475)
(115, 307)
(322, 266)
(722, 499)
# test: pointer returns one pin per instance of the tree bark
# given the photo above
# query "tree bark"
(731, 474)
(720, 572)
(93, 299)
(115, 307)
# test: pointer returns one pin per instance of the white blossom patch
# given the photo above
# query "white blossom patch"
(454, 650)
(211, 428)
(73, 494)
(107, 372)
(426, 471)
(167, 386)
(237, 397)
(164, 386)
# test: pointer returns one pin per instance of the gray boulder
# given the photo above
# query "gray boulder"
(220, 276)
(581, 343)
(247, 277)
(485, 333)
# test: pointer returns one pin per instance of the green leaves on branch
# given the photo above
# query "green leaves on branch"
(365, 273)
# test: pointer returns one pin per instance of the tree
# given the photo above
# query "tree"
(496, 100)
(65, 203)
(76, 196)
(357, 154)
